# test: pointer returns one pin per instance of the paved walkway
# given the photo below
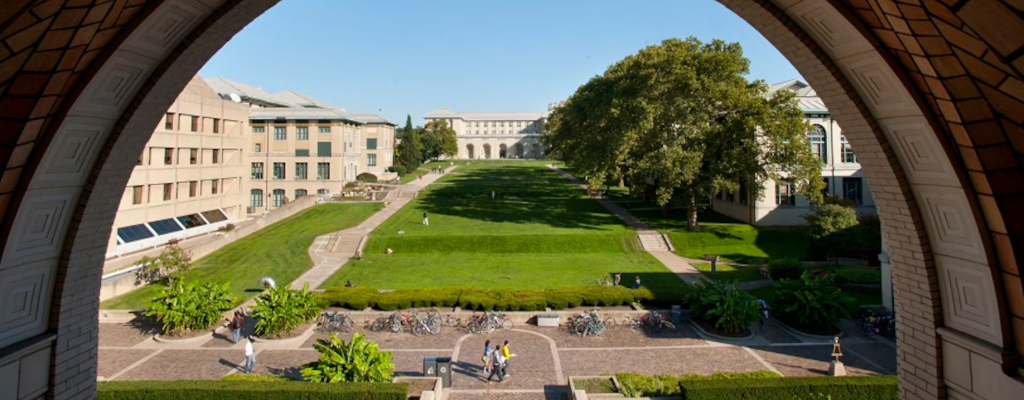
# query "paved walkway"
(674, 262)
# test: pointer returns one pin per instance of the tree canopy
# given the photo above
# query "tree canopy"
(438, 140)
(681, 119)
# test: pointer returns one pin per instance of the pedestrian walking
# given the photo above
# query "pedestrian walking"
(508, 357)
(487, 357)
(763, 307)
(618, 278)
(637, 286)
(492, 195)
(250, 357)
(237, 323)
(385, 206)
(425, 220)
(498, 361)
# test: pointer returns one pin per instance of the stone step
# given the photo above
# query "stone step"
(653, 242)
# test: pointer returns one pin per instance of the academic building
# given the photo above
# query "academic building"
(780, 205)
(489, 135)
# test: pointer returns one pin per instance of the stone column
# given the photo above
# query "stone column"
(887, 277)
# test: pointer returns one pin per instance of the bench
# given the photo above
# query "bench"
(711, 257)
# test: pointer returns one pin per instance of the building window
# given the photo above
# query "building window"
(256, 198)
(324, 129)
(300, 170)
(213, 186)
(743, 192)
(193, 188)
(302, 133)
(323, 170)
(322, 192)
(216, 125)
(279, 170)
(719, 195)
(195, 124)
(168, 191)
(257, 170)
(371, 160)
(215, 156)
(323, 149)
(259, 129)
(818, 142)
(371, 144)
(137, 195)
(169, 122)
(193, 156)
(784, 195)
(168, 156)
(299, 193)
(849, 157)
(852, 189)
(139, 162)
(278, 197)
(302, 152)
(279, 133)
(730, 196)
(257, 147)
(825, 191)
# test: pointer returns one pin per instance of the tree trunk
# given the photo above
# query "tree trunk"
(665, 209)
(622, 182)
(691, 219)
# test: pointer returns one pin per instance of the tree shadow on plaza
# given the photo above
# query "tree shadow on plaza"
(145, 325)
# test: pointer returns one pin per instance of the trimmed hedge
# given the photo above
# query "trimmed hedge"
(637, 385)
(846, 388)
(248, 390)
(485, 299)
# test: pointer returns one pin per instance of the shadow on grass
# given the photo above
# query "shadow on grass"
(293, 373)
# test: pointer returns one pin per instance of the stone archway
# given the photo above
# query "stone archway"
(538, 152)
(487, 150)
(930, 95)
(469, 151)
(517, 150)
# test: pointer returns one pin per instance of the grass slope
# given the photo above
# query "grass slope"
(278, 251)
(540, 232)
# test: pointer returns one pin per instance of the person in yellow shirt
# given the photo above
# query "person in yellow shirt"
(508, 357)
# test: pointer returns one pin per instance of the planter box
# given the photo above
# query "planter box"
(577, 393)
(548, 320)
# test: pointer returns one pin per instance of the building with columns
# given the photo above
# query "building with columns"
(843, 176)
(490, 135)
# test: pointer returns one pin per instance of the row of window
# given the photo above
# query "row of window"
(150, 229)
(819, 145)
(167, 191)
(281, 132)
(323, 170)
(785, 194)
(189, 156)
(323, 148)
(496, 132)
(195, 123)
(277, 198)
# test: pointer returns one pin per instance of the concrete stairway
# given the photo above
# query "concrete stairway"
(652, 241)
(346, 244)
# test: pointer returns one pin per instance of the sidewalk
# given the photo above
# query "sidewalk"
(674, 262)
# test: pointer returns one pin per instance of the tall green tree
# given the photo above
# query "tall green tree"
(410, 150)
(438, 140)
(680, 118)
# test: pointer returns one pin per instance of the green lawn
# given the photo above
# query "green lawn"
(425, 169)
(278, 251)
(540, 232)
(730, 273)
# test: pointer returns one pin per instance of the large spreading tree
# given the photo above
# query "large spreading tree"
(681, 119)
(438, 140)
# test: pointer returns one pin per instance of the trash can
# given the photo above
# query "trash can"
(430, 366)
(444, 371)
(677, 315)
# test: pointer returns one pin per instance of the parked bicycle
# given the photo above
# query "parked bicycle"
(399, 320)
(488, 322)
(873, 323)
(652, 321)
(332, 321)
(588, 323)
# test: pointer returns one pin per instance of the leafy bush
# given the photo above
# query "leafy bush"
(281, 309)
(785, 268)
(357, 361)
(812, 300)
(485, 299)
(366, 177)
(846, 388)
(869, 236)
(247, 390)
(256, 378)
(171, 262)
(729, 308)
(184, 307)
(399, 169)
(832, 227)
(636, 385)
(839, 201)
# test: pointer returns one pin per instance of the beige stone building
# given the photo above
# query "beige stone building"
(488, 135)
(297, 145)
(844, 178)
(191, 177)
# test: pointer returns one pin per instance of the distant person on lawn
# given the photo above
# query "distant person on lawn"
(425, 220)
(237, 323)
(637, 286)
(618, 278)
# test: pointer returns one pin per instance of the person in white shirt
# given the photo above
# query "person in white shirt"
(250, 357)
(497, 363)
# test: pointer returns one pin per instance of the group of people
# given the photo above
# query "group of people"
(437, 170)
(496, 360)
(618, 280)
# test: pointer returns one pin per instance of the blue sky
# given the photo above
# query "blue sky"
(398, 57)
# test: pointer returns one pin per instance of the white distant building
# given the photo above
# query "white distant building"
(843, 176)
(489, 135)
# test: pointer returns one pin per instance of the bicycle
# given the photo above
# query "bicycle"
(587, 323)
(332, 321)
(652, 321)
(398, 321)
(480, 323)
(379, 324)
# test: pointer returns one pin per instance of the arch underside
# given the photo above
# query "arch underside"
(930, 95)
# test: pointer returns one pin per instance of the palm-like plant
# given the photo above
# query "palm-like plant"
(811, 300)
(281, 309)
(358, 360)
(184, 307)
(729, 308)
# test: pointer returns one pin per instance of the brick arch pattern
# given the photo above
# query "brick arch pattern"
(122, 59)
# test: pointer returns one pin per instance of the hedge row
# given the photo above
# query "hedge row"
(242, 390)
(485, 299)
(846, 388)
(637, 385)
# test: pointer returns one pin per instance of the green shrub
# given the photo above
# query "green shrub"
(247, 390)
(485, 299)
(182, 307)
(785, 268)
(812, 300)
(359, 360)
(832, 227)
(366, 177)
(399, 169)
(869, 237)
(636, 385)
(845, 388)
(257, 378)
(277, 311)
(171, 263)
(726, 306)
